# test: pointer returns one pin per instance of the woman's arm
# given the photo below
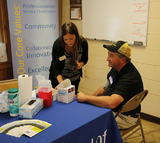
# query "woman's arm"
(84, 58)
(57, 57)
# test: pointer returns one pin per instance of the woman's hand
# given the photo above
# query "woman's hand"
(56, 87)
(60, 79)
(79, 65)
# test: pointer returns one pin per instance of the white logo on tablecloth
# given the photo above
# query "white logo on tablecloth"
(100, 138)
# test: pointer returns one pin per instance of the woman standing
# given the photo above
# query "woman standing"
(69, 55)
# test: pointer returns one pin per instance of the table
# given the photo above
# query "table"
(71, 123)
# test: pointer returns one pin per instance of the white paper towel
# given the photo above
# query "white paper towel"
(64, 83)
(25, 88)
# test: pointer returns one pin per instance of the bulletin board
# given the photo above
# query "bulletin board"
(114, 20)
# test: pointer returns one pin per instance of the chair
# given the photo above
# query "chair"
(132, 104)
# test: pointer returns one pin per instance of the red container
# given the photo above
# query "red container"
(46, 95)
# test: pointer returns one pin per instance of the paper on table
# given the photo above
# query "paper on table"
(24, 127)
(25, 88)
(64, 83)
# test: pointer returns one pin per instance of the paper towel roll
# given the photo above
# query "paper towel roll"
(25, 88)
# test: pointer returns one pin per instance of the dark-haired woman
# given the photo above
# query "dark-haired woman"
(69, 55)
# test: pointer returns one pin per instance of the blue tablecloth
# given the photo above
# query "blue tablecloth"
(71, 123)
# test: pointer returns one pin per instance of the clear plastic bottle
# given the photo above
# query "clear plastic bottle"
(13, 102)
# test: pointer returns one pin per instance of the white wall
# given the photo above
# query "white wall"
(146, 59)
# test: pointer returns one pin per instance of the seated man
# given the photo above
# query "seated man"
(124, 81)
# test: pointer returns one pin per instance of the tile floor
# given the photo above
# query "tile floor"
(151, 132)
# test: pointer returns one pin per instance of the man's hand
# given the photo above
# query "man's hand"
(81, 97)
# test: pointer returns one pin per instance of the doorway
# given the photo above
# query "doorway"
(6, 70)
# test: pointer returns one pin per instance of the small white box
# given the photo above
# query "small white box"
(66, 94)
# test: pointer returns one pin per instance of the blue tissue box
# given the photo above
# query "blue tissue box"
(31, 108)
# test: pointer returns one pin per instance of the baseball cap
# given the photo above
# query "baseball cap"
(119, 47)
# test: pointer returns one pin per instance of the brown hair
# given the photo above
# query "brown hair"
(121, 55)
(70, 28)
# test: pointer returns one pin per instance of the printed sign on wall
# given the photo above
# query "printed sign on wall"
(33, 30)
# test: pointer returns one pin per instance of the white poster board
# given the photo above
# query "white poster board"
(115, 20)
